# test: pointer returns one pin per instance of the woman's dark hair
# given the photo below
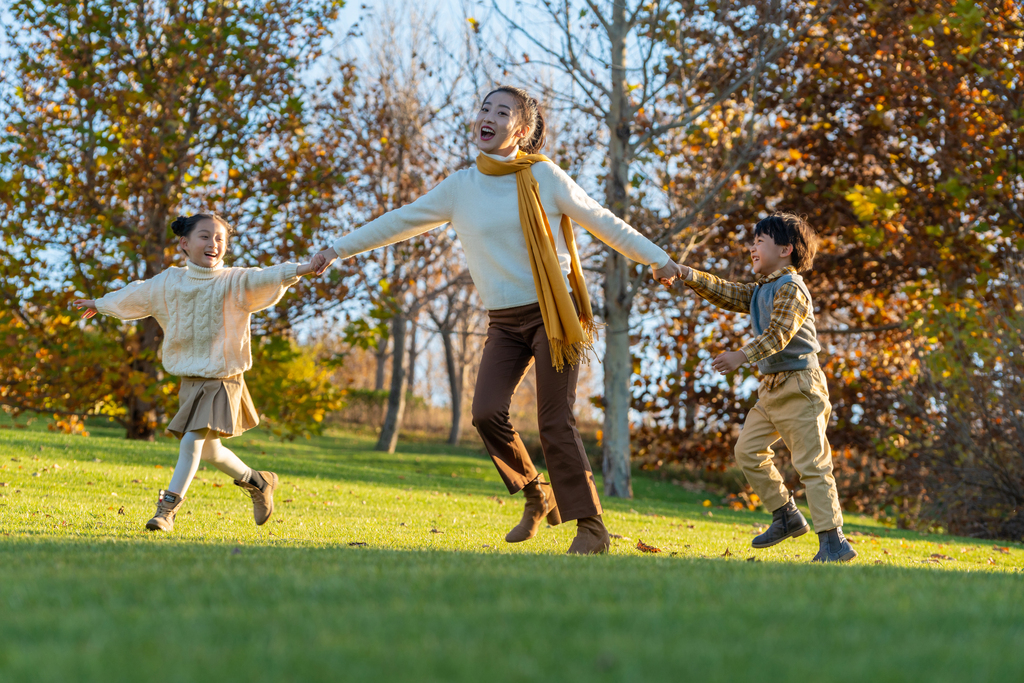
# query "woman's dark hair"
(184, 225)
(786, 229)
(528, 114)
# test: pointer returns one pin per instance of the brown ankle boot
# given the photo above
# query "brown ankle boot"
(591, 537)
(540, 501)
(262, 501)
(167, 505)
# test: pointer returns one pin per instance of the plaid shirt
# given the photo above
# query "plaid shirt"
(790, 309)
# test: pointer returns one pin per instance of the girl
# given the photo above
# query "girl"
(204, 310)
(512, 212)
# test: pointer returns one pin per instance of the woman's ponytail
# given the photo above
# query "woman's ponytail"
(534, 140)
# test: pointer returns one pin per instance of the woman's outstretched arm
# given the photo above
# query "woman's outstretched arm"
(426, 213)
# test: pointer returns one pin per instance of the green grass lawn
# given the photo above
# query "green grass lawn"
(394, 568)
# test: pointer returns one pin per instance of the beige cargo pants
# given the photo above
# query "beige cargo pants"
(796, 411)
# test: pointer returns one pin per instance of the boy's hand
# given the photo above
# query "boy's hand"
(668, 273)
(329, 257)
(88, 304)
(316, 265)
(729, 361)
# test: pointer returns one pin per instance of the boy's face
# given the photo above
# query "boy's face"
(767, 257)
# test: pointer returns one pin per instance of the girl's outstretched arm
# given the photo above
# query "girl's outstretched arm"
(88, 304)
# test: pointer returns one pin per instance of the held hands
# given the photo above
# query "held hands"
(324, 260)
(88, 304)
(667, 274)
(317, 264)
(729, 361)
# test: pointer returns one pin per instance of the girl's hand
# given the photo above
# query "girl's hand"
(88, 304)
(329, 256)
(668, 273)
(316, 265)
(729, 361)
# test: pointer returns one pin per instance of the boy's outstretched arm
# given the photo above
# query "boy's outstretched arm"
(732, 296)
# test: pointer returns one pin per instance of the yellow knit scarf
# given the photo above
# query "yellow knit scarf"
(570, 335)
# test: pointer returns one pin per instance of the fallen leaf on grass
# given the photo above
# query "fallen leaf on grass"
(625, 538)
(644, 548)
(990, 561)
(3, 483)
(940, 556)
(436, 531)
(357, 543)
(136, 481)
(886, 552)
(1002, 549)
(709, 513)
(287, 500)
(753, 559)
(726, 553)
(690, 526)
(120, 510)
(218, 484)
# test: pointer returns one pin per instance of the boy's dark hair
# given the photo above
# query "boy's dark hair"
(528, 112)
(786, 229)
(184, 225)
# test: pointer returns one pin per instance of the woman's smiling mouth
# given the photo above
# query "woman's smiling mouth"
(486, 133)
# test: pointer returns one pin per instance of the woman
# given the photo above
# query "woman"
(529, 279)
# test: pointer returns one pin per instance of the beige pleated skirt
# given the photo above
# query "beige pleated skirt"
(221, 405)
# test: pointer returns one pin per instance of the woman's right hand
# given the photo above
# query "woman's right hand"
(329, 257)
(88, 304)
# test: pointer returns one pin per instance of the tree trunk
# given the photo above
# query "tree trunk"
(454, 385)
(142, 418)
(381, 356)
(399, 383)
(618, 364)
(413, 353)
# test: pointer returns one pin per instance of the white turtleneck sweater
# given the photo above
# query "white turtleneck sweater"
(484, 212)
(204, 313)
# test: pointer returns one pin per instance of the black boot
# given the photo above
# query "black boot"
(787, 522)
(833, 547)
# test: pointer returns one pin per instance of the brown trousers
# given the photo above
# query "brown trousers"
(515, 338)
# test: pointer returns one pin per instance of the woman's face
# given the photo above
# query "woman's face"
(207, 244)
(497, 130)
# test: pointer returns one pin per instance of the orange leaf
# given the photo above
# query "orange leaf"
(643, 547)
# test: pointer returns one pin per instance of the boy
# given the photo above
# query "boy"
(792, 401)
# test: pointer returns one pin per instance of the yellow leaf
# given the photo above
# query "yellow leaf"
(707, 503)
(795, 155)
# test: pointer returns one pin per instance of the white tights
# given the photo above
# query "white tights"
(203, 445)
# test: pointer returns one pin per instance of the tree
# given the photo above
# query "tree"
(691, 58)
(117, 117)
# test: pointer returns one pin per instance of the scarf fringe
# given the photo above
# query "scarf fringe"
(572, 354)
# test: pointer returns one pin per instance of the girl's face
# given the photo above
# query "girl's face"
(497, 130)
(207, 244)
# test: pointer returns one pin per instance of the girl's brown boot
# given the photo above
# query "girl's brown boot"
(540, 501)
(166, 508)
(591, 537)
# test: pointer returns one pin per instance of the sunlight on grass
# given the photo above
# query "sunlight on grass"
(394, 567)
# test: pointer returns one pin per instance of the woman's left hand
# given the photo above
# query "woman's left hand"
(668, 273)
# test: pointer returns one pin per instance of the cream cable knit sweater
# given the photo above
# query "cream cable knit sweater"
(484, 212)
(204, 313)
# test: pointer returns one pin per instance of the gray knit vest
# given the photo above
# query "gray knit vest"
(801, 353)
